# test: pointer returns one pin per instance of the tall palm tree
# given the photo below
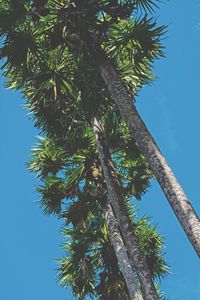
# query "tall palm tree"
(47, 160)
(53, 191)
(138, 262)
(92, 27)
(121, 213)
(48, 109)
(51, 159)
(165, 177)
(177, 199)
(48, 80)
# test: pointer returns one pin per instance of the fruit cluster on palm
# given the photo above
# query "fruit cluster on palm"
(78, 64)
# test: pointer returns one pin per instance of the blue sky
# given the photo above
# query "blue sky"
(170, 108)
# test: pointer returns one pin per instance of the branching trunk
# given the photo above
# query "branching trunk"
(121, 213)
(121, 254)
(165, 177)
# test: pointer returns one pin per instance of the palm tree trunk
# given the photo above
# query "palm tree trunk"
(121, 213)
(121, 254)
(147, 145)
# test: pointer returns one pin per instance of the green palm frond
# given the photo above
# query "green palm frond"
(47, 158)
(50, 93)
(20, 49)
(146, 5)
(52, 194)
(87, 204)
(12, 14)
(78, 268)
(136, 39)
(152, 246)
(78, 275)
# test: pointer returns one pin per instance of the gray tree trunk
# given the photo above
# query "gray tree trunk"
(121, 254)
(131, 241)
(125, 266)
(147, 145)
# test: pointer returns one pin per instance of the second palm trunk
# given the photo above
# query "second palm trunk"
(121, 254)
(121, 213)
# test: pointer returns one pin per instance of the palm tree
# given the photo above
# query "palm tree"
(90, 27)
(49, 80)
(165, 177)
(122, 214)
(147, 145)
(47, 159)
(138, 262)
(46, 109)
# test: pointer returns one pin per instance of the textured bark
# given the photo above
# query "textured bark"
(131, 241)
(122, 256)
(147, 145)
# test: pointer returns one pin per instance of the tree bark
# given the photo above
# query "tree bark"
(147, 145)
(121, 254)
(121, 213)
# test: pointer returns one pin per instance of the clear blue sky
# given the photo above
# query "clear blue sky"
(170, 107)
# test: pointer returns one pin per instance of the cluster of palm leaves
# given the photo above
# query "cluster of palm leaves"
(48, 53)
(73, 187)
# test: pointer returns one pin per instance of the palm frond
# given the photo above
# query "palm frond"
(47, 158)
(52, 193)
